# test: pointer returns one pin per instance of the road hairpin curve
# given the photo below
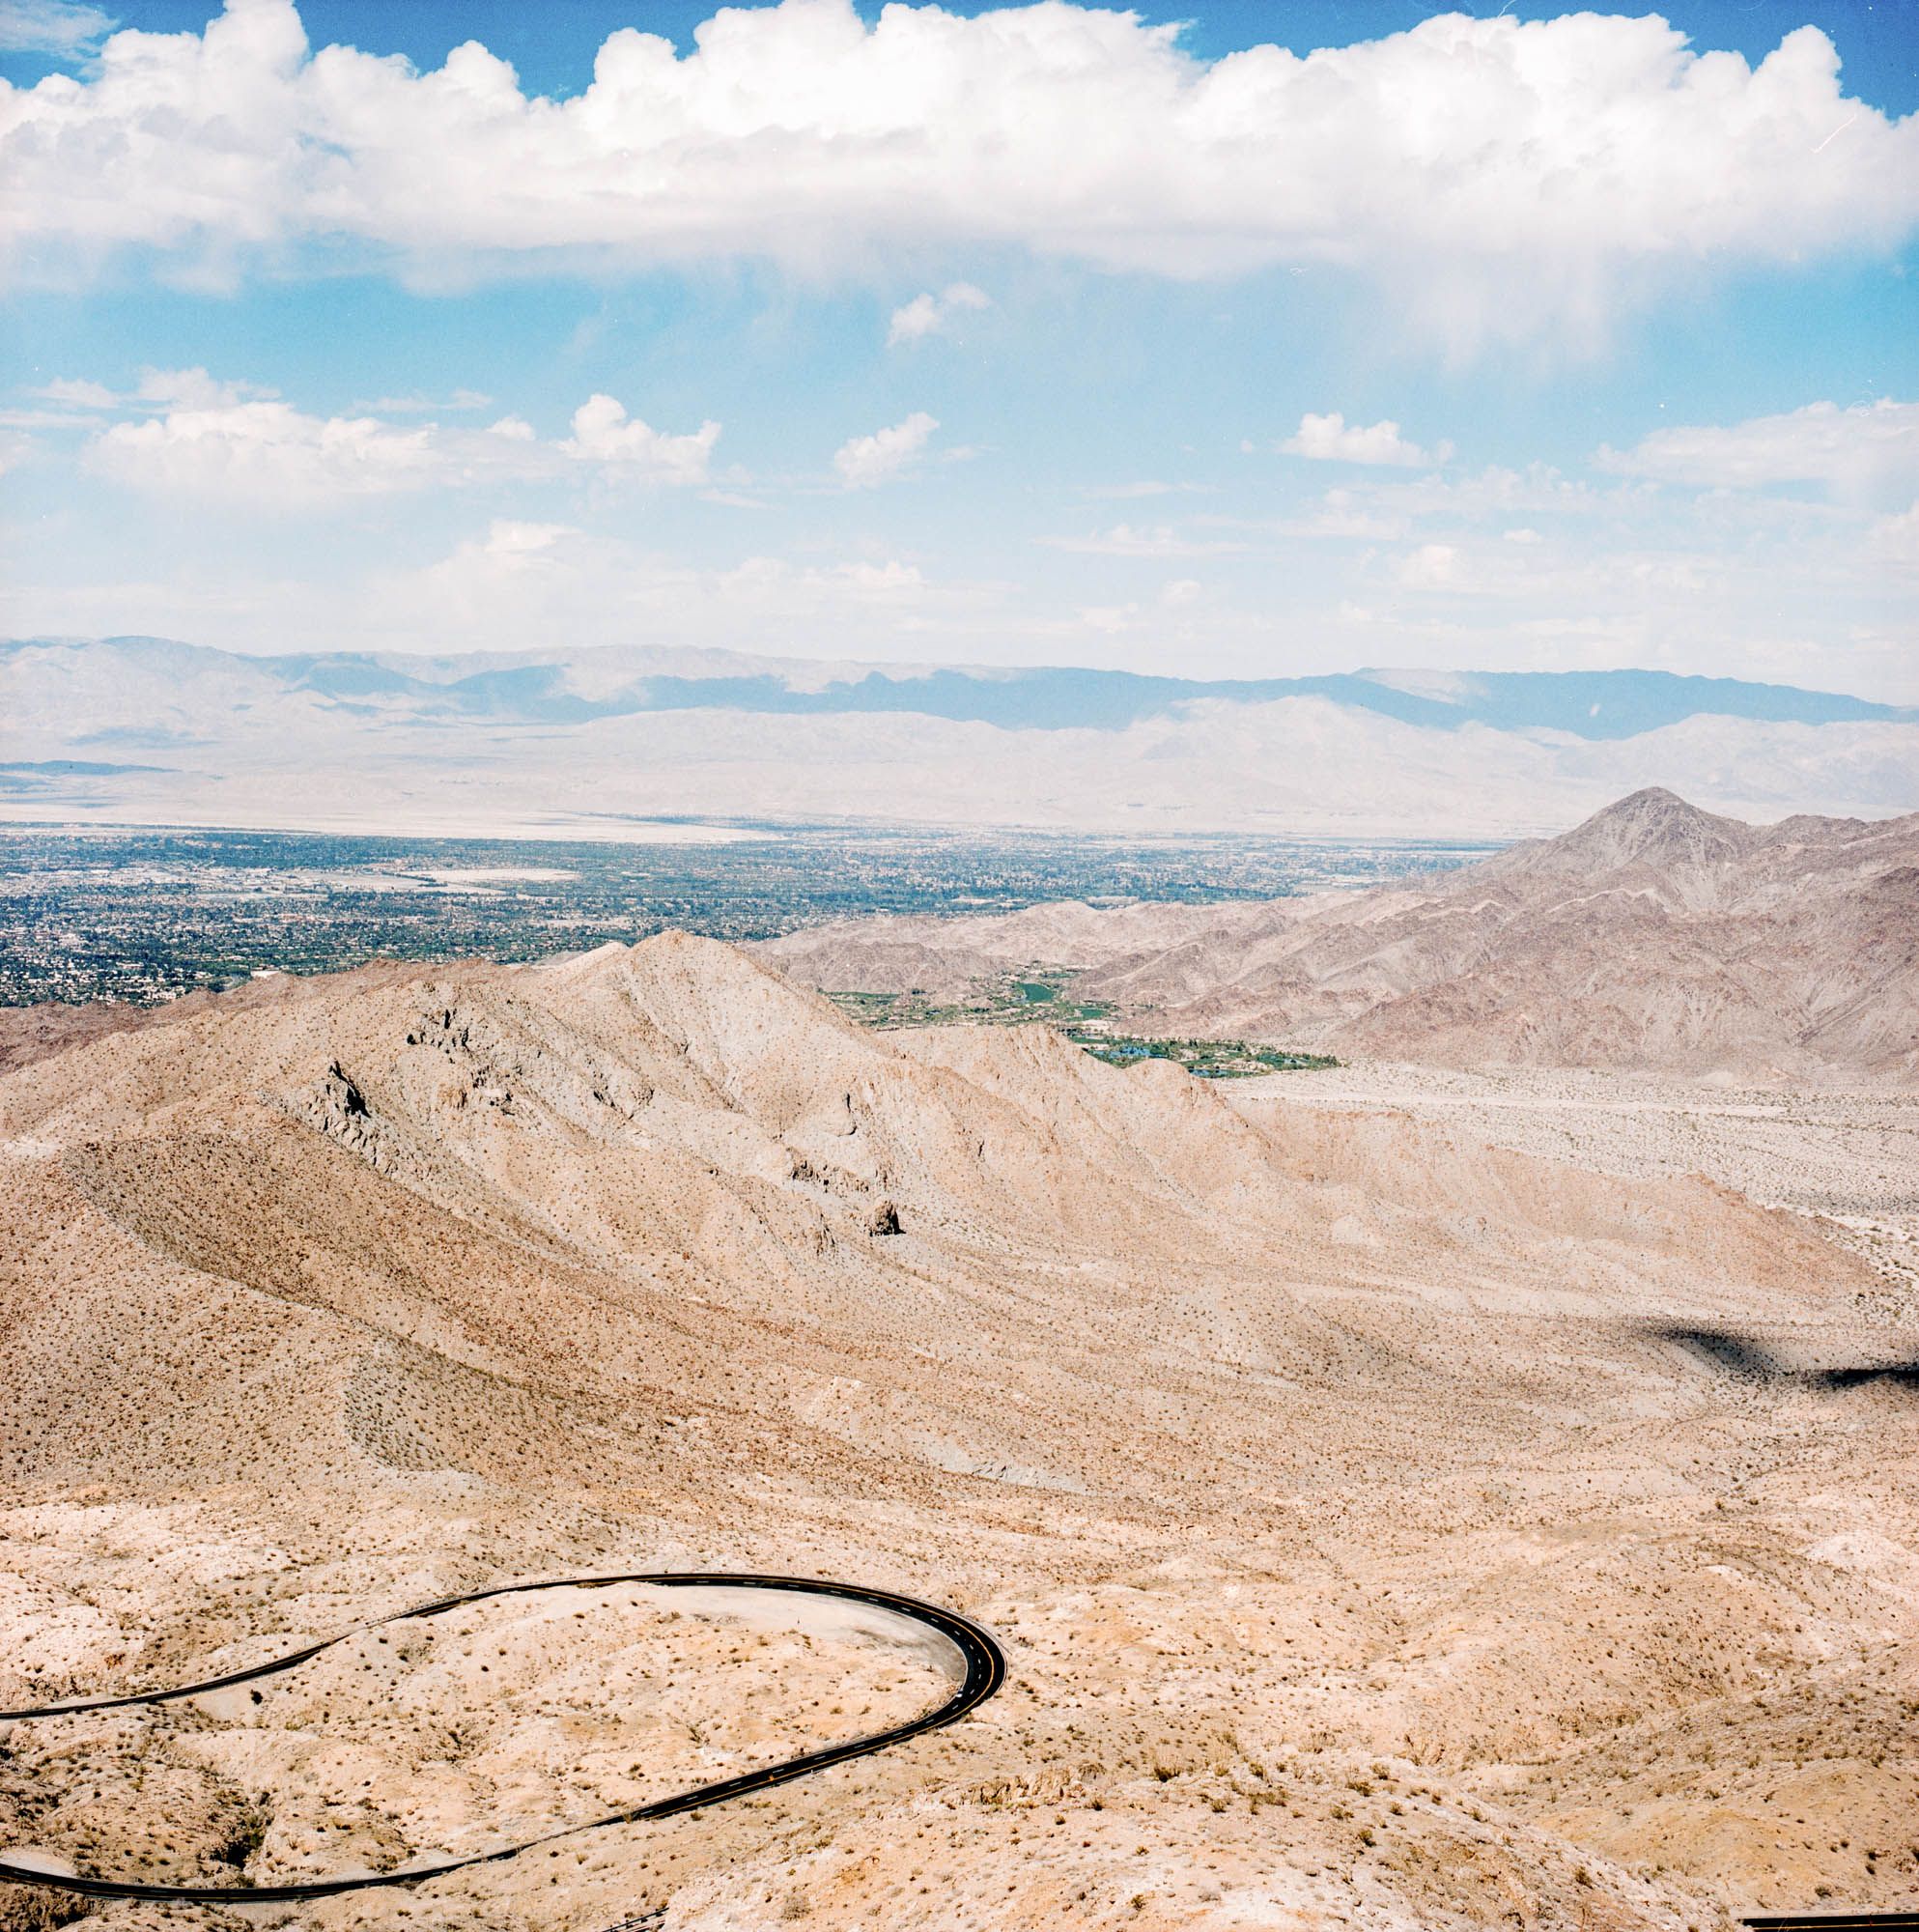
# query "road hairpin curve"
(985, 1670)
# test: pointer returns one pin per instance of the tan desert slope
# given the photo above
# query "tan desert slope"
(1655, 936)
(1384, 1529)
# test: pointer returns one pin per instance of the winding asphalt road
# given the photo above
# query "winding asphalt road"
(985, 1671)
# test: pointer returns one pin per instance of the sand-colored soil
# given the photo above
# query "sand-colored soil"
(447, 1737)
(1846, 1161)
(1385, 1528)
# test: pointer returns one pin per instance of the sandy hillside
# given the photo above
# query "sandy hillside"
(1384, 1529)
(1654, 936)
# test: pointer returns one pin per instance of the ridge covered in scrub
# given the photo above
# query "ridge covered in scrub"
(1367, 1527)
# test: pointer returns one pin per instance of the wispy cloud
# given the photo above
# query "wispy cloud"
(77, 393)
(1895, 539)
(863, 461)
(155, 389)
(1860, 449)
(459, 401)
(1130, 540)
(63, 29)
(1139, 491)
(932, 314)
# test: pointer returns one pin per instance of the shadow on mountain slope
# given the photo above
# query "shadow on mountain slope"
(1751, 1360)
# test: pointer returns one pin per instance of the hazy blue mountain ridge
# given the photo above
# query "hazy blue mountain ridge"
(541, 690)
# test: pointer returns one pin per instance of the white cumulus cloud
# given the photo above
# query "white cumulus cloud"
(1331, 439)
(1856, 450)
(603, 433)
(268, 454)
(866, 460)
(186, 434)
(1501, 178)
(929, 314)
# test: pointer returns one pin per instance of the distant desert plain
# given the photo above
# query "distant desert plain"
(1471, 1484)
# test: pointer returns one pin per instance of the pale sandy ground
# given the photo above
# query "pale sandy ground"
(1847, 1162)
(1373, 1541)
(531, 1712)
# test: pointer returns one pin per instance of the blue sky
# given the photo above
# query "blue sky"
(1027, 336)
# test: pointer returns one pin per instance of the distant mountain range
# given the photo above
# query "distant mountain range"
(616, 683)
(143, 729)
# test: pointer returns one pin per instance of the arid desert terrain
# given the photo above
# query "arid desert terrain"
(1407, 1497)
(1654, 937)
(959, 966)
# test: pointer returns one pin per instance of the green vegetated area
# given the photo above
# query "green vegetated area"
(1043, 995)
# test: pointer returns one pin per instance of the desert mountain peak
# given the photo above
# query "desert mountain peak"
(1654, 934)
(1651, 827)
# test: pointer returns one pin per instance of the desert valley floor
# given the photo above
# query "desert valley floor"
(1407, 1499)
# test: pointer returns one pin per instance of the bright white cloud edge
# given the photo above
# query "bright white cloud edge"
(1504, 177)
(1331, 439)
(863, 461)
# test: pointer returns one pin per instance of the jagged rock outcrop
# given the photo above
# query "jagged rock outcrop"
(338, 1108)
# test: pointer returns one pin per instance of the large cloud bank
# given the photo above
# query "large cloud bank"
(1500, 177)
